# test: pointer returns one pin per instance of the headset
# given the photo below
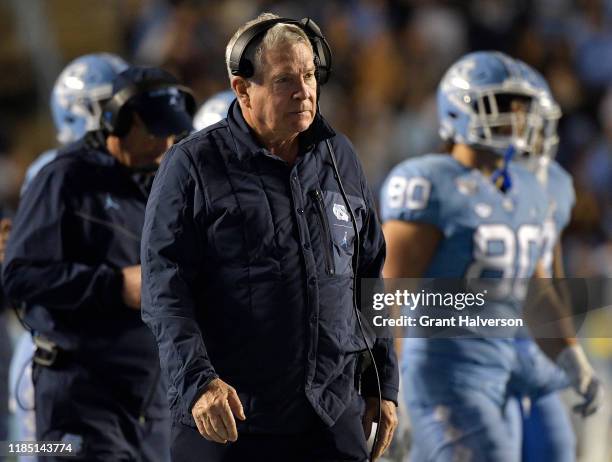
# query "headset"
(116, 117)
(241, 65)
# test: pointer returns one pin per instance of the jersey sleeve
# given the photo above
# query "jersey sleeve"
(409, 194)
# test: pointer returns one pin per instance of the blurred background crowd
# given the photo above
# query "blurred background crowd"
(389, 56)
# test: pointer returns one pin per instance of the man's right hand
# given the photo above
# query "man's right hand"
(214, 412)
(131, 286)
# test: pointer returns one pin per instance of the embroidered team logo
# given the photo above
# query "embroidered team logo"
(467, 186)
(340, 212)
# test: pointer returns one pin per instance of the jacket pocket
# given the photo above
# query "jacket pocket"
(326, 237)
(342, 229)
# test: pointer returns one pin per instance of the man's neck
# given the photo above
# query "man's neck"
(285, 147)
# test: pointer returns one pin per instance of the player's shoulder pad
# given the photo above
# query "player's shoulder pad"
(437, 169)
(411, 191)
(561, 181)
(528, 185)
(524, 177)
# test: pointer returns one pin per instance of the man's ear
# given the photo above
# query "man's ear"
(240, 86)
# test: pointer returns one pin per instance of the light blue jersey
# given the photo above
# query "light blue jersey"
(486, 234)
(456, 388)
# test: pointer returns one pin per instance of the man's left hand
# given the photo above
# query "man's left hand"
(387, 425)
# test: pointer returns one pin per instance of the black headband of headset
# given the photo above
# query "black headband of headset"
(113, 107)
(241, 66)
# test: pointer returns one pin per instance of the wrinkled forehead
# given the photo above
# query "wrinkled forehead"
(287, 57)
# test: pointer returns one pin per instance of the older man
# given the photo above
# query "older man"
(248, 270)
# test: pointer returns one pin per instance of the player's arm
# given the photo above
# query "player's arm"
(547, 308)
(563, 347)
(410, 209)
(410, 248)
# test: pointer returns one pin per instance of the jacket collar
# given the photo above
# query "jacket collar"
(248, 146)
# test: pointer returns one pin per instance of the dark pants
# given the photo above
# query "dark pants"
(72, 408)
(344, 441)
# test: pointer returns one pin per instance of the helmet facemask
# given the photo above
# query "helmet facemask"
(546, 138)
(500, 118)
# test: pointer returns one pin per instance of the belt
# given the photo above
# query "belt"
(48, 353)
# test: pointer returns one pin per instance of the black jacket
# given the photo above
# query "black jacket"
(247, 275)
(78, 223)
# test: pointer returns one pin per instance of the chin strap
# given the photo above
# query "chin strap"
(501, 176)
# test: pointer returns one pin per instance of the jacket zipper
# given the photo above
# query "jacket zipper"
(329, 259)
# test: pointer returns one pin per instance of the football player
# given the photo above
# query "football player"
(471, 214)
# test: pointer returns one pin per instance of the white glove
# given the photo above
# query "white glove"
(582, 377)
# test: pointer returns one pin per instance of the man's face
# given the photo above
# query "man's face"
(141, 149)
(283, 96)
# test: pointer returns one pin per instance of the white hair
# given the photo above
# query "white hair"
(279, 34)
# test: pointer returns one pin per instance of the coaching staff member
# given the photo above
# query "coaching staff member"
(75, 248)
(248, 274)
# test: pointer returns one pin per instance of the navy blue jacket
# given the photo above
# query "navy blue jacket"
(78, 223)
(247, 275)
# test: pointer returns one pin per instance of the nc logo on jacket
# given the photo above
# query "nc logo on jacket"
(340, 212)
